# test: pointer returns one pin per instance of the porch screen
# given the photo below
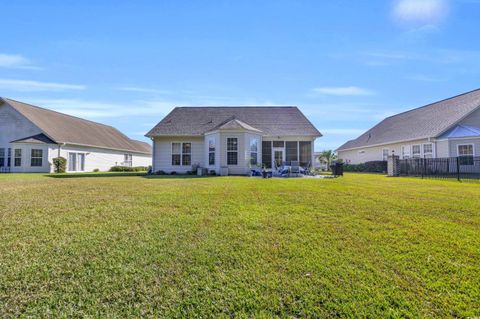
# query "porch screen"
(305, 153)
(291, 151)
(267, 154)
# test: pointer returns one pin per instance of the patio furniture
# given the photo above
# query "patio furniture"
(294, 169)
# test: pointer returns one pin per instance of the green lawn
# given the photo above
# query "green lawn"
(129, 246)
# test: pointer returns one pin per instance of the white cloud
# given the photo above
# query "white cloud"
(27, 86)
(342, 91)
(420, 13)
(15, 61)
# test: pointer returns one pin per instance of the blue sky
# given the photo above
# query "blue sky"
(346, 64)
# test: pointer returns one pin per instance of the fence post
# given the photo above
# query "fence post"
(423, 166)
(458, 168)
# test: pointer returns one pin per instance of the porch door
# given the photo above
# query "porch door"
(72, 162)
(279, 156)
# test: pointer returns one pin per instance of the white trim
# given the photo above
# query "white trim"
(406, 147)
(381, 144)
(383, 153)
(419, 148)
(458, 138)
(77, 163)
(468, 144)
(181, 153)
(226, 150)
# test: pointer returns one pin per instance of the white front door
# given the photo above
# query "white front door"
(278, 156)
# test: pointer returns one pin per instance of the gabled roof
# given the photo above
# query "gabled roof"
(462, 131)
(234, 124)
(63, 128)
(271, 121)
(35, 139)
(424, 122)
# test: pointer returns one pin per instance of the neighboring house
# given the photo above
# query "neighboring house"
(319, 162)
(31, 137)
(232, 140)
(448, 128)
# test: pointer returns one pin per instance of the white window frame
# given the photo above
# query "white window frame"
(419, 154)
(231, 151)
(252, 151)
(36, 157)
(128, 159)
(15, 157)
(403, 148)
(383, 154)
(210, 152)
(79, 165)
(425, 154)
(473, 153)
(181, 153)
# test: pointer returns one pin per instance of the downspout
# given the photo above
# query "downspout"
(153, 155)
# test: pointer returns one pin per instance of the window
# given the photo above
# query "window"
(211, 152)
(465, 153)
(176, 154)
(232, 151)
(36, 158)
(291, 151)
(127, 160)
(267, 154)
(186, 154)
(416, 151)
(2, 157)
(278, 144)
(18, 157)
(253, 151)
(9, 157)
(405, 152)
(181, 154)
(76, 162)
(427, 150)
(385, 153)
(305, 153)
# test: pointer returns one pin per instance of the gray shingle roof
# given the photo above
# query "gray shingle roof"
(271, 121)
(63, 128)
(427, 121)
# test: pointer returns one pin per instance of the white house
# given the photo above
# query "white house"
(448, 128)
(31, 137)
(232, 140)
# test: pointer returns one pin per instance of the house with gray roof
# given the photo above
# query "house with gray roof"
(31, 137)
(232, 140)
(448, 128)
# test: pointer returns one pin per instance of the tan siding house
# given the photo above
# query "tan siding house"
(442, 129)
(232, 140)
(31, 137)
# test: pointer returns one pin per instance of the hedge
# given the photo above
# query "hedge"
(129, 169)
(367, 167)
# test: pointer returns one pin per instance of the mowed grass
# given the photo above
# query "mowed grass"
(130, 246)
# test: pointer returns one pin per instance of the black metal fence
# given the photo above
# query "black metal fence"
(463, 167)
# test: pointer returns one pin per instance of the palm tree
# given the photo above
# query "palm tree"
(328, 156)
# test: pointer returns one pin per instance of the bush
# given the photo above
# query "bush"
(96, 170)
(367, 167)
(160, 172)
(60, 164)
(128, 169)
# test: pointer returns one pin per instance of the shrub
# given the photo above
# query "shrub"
(367, 167)
(128, 169)
(60, 164)
(173, 173)
(96, 170)
(160, 172)
(213, 173)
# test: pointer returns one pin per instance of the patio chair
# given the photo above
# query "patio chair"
(294, 169)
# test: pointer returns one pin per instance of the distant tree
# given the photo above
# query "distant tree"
(328, 156)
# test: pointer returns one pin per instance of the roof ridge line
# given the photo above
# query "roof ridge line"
(49, 110)
(430, 104)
